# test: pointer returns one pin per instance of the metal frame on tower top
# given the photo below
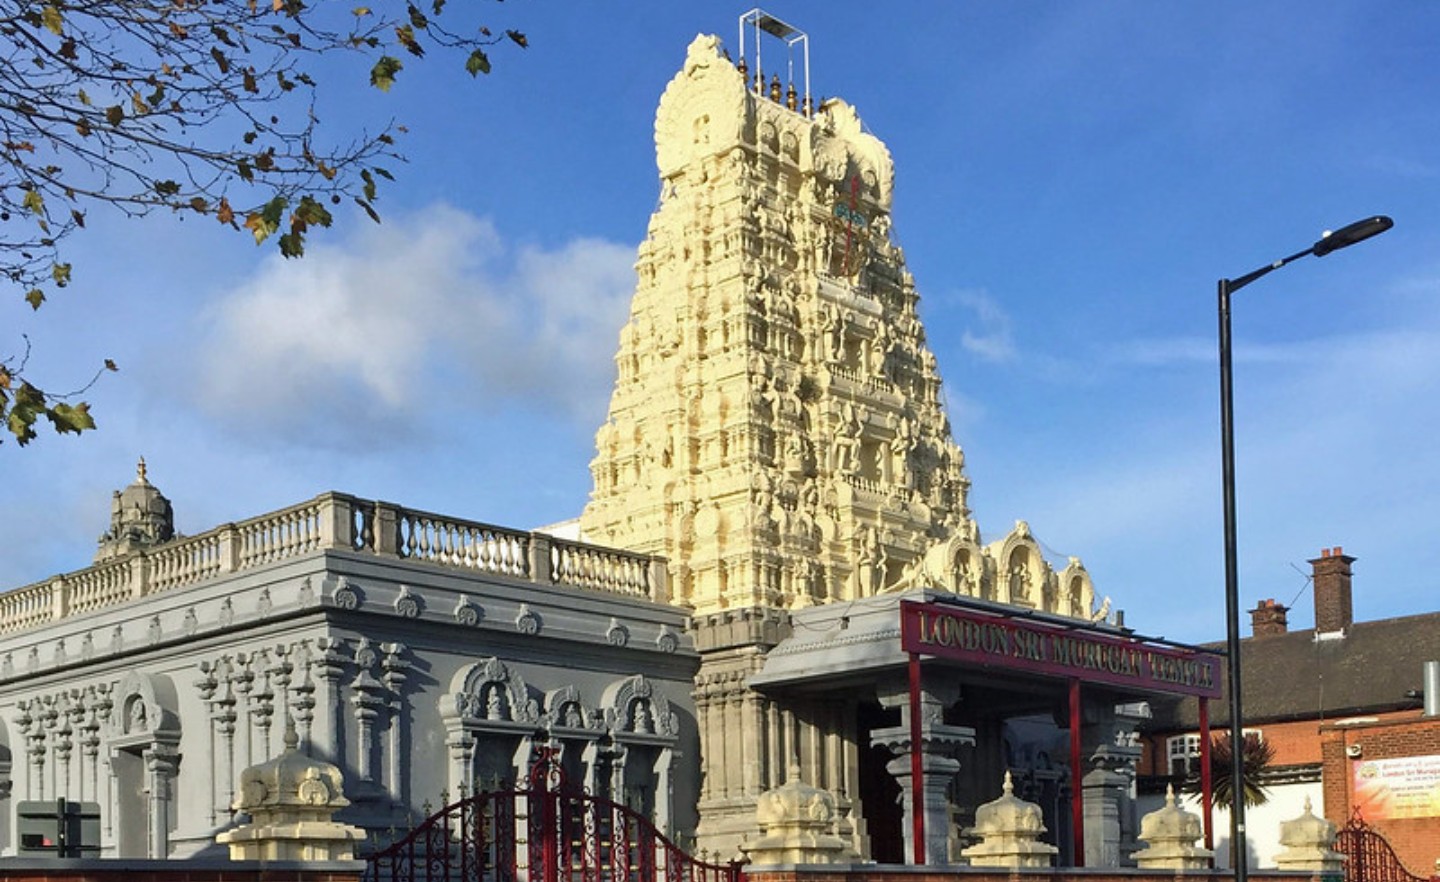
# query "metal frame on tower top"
(762, 22)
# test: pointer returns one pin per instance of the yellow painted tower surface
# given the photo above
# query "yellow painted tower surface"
(776, 429)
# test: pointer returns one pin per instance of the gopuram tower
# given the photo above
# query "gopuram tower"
(776, 429)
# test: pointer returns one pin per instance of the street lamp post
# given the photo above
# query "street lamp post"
(1341, 238)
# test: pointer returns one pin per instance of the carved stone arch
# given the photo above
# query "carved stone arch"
(957, 565)
(707, 87)
(565, 709)
(1077, 590)
(768, 137)
(489, 691)
(643, 733)
(143, 738)
(144, 709)
(635, 710)
(790, 144)
(491, 720)
(1021, 571)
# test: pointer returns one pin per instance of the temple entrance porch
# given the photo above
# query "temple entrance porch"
(849, 702)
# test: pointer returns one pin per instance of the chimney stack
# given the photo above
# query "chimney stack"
(1334, 611)
(1268, 619)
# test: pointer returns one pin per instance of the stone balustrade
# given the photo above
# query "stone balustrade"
(338, 522)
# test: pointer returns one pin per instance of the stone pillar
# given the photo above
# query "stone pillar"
(938, 744)
(161, 763)
(1105, 782)
(1104, 788)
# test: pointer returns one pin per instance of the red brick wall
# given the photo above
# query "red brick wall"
(995, 874)
(1416, 840)
(40, 870)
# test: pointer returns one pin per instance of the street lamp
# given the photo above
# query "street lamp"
(1341, 238)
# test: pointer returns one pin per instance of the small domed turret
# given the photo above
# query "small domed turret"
(140, 517)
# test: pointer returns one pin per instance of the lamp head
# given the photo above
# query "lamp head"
(1350, 234)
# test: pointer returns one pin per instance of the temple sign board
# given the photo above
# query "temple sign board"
(1019, 643)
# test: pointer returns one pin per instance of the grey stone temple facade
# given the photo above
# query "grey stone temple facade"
(775, 475)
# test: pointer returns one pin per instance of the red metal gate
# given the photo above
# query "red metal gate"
(1369, 857)
(545, 832)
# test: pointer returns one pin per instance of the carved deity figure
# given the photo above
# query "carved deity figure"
(847, 440)
(137, 714)
(1019, 581)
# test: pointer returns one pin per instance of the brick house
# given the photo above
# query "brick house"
(1343, 707)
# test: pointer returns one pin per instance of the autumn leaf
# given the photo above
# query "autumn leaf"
(50, 17)
(71, 419)
(382, 75)
(477, 63)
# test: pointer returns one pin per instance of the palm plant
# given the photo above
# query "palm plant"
(1257, 755)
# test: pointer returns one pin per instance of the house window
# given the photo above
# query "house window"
(1182, 752)
(1182, 755)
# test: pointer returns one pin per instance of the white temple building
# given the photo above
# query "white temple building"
(776, 477)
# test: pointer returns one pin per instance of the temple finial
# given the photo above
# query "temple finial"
(140, 472)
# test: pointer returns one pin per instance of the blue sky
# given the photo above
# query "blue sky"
(1072, 179)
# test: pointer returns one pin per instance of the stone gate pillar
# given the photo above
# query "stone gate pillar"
(938, 745)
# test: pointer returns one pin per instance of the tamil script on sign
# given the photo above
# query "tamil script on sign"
(1393, 789)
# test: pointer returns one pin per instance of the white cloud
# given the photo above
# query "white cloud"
(989, 336)
(426, 314)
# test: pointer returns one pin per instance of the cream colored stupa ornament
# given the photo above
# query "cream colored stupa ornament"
(1308, 840)
(797, 823)
(1009, 829)
(1170, 834)
(291, 801)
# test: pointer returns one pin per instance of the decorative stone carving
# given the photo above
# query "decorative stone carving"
(305, 596)
(1171, 834)
(1308, 840)
(527, 621)
(291, 801)
(617, 634)
(1009, 829)
(796, 329)
(467, 611)
(140, 518)
(407, 604)
(797, 826)
(346, 595)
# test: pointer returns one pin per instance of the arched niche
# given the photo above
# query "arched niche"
(958, 565)
(1077, 591)
(143, 737)
(576, 731)
(1021, 572)
(635, 764)
(491, 720)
